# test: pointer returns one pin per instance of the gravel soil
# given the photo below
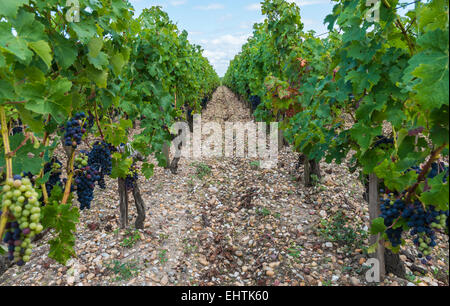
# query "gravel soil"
(225, 221)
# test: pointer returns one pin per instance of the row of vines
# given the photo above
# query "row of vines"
(374, 91)
(68, 81)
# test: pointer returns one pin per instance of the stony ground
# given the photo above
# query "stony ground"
(228, 222)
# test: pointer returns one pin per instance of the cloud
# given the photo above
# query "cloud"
(253, 7)
(309, 2)
(229, 39)
(221, 49)
(210, 7)
(178, 2)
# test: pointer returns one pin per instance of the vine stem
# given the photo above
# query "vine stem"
(68, 186)
(41, 174)
(8, 159)
(97, 121)
(12, 153)
(433, 157)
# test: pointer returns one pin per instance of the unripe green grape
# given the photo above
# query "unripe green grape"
(28, 251)
(26, 181)
(17, 183)
(9, 194)
(39, 228)
(26, 258)
(23, 188)
(35, 210)
(21, 199)
(32, 225)
(7, 202)
(32, 200)
(17, 193)
(35, 217)
(28, 194)
(18, 209)
(10, 182)
(26, 212)
(6, 188)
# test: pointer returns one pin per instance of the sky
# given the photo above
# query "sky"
(222, 27)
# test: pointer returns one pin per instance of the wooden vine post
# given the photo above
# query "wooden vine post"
(138, 201)
(8, 162)
(311, 167)
(375, 212)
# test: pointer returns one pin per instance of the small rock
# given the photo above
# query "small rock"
(70, 280)
(270, 273)
(203, 261)
(355, 281)
(164, 280)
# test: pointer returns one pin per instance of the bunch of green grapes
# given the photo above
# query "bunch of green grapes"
(21, 199)
(81, 160)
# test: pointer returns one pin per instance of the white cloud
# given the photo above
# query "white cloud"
(221, 49)
(210, 7)
(178, 2)
(309, 2)
(253, 7)
(229, 39)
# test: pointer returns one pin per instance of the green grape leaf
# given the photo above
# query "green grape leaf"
(120, 166)
(65, 52)
(10, 7)
(27, 158)
(62, 218)
(438, 195)
(377, 226)
(148, 170)
(43, 50)
(95, 45)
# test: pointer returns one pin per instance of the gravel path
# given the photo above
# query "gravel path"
(225, 221)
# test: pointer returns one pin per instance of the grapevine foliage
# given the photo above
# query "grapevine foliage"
(94, 76)
(373, 90)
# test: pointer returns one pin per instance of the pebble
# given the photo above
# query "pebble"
(270, 273)
(355, 281)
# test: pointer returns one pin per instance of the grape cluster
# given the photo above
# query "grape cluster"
(100, 160)
(54, 167)
(90, 121)
(74, 130)
(85, 180)
(17, 130)
(382, 140)
(422, 221)
(390, 212)
(132, 178)
(19, 196)
(204, 102)
(255, 101)
(81, 160)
